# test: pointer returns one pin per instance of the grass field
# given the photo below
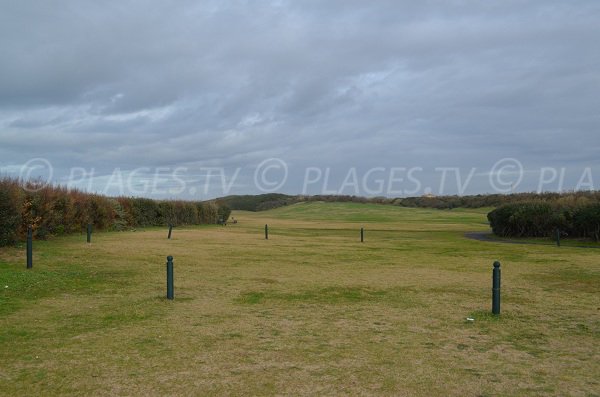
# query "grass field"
(310, 311)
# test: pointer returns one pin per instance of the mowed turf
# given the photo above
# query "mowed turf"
(310, 311)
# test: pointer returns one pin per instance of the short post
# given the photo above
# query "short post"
(29, 247)
(557, 237)
(170, 293)
(170, 230)
(266, 232)
(496, 289)
(89, 233)
(362, 234)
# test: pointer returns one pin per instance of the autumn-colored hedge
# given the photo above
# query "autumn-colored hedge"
(56, 210)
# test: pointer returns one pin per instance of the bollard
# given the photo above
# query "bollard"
(557, 237)
(362, 234)
(170, 230)
(29, 247)
(496, 289)
(170, 293)
(266, 232)
(89, 233)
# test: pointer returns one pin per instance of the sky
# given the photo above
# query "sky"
(201, 99)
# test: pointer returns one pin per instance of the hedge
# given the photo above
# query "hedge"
(55, 210)
(541, 219)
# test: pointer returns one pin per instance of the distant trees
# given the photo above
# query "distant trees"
(257, 203)
(272, 200)
(55, 210)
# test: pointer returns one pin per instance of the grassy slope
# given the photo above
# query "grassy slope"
(311, 310)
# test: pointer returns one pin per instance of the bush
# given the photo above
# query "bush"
(224, 212)
(541, 219)
(586, 219)
(53, 210)
(208, 212)
(9, 214)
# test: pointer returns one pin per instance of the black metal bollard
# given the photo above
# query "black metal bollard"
(266, 232)
(29, 247)
(170, 230)
(496, 289)
(362, 234)
(89, 233)
(557, 237)
(170, 288)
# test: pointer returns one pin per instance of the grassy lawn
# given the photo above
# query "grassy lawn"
(310, 311)
(567, 242)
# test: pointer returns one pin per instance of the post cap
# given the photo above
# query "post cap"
(169, 258)
(496, 264)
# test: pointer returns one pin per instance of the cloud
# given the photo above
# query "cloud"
(338, 84)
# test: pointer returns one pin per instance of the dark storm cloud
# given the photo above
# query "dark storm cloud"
(317, 83)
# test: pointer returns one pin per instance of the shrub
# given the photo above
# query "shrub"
(54, 210)
(9, 214)
(541, 219)
(224, 212)
(586, 219)
(209, 212)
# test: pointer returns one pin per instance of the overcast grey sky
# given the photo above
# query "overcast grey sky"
(338, 85)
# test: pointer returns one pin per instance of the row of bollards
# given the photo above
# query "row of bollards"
(170, 275)
(495, 272)
(495, 284)
(362, 233)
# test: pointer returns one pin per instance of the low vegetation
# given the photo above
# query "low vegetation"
(572, 218)
(55, 210)
(264, 202)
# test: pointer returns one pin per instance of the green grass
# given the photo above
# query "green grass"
(330, 296)
(372, 213)
(566, 242)
(310, 311)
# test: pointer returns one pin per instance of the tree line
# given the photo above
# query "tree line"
(263, 202)
(56, 210)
